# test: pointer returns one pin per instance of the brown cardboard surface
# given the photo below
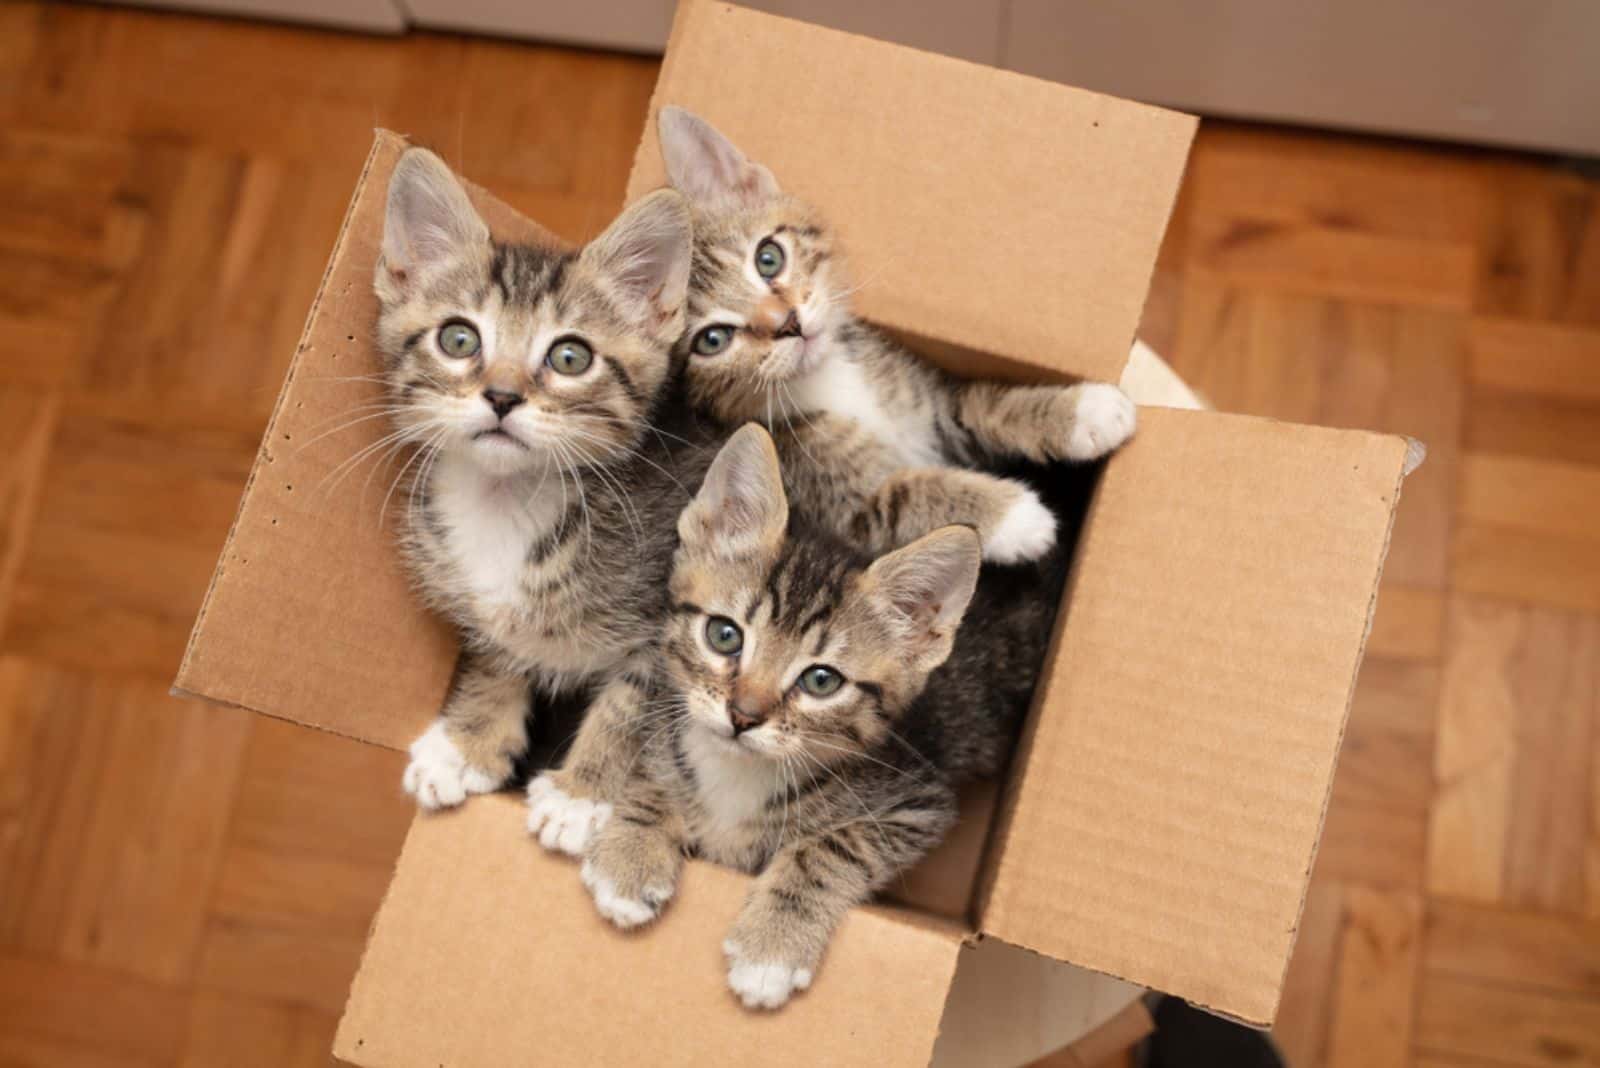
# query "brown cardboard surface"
(999, 213)
(309, 616)
(488, 951)
(1165, 810)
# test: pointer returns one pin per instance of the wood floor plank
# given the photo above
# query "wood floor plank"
(273, 888)
(244, 1032)
(1409, 623)
(1539, 252)
(295, 966)
(1517, 948)
(1373, 844)
(1506, 1024)
(1376, 980)
(1510, 821)
(1387, 758)
(1329, 218)
(122, 799)
(290, 779)
(1549, 570)
(27, 424)
(1537, 425)
(106, 1014)
(126, 537)
(1529, 529)
(1520, 356)
(1539, 496)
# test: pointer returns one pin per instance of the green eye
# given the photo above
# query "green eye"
(569, 356)
(713, 340)
(724, 635)
(820, 681)
(769, 258)
(458, 340)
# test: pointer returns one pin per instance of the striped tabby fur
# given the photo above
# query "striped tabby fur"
(874, 440)
(828, 797)
(543, 528)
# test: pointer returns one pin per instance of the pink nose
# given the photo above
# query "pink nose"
(744, 718)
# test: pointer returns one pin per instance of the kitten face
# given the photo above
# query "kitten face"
(516, 356)
(769, 292)
(790, 646)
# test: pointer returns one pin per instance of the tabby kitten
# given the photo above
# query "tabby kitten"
(542, 523)
(884, 437)
(820, 708)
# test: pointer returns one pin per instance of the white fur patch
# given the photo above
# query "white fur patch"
(438, 775)
(1026, 532)
(763, 984)
(732, 786)
(840, 386)
(490, 522)
(625, 912)
(564, 824)
(1102, 421)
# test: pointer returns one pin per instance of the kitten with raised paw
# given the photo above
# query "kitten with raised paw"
(542, 520)
(876, 442)
(819, 709)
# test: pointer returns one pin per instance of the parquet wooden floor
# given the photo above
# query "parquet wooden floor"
(188, 885)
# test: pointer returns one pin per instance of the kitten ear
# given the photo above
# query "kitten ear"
(741, 509)
(706, 166)
(429, 223)
(644, 255)
(925, 587)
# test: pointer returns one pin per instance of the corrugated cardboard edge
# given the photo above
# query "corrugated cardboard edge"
(1412, 460)
(178, 689)
(1002, 822)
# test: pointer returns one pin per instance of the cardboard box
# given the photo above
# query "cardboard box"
(1163, 812)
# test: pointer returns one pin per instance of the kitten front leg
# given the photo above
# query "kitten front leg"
(778, 940)
(567, 806)
(1013, 522)
(1076, 423)
(632, 865)
(471, 747)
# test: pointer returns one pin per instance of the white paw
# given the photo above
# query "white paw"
(1103, 420)
(625, 912)
(439, 776)
(763, 984)
(563, 823)
(1026, 532)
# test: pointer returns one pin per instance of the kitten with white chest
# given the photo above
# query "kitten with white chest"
(543, 516)
(818, 708)
(878, 443)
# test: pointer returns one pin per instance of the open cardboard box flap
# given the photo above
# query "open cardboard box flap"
(1166, 802)
(1164, 810)
(309, 616)
(1013, 220)
(584, 993)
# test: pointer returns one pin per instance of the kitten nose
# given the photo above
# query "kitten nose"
(744, 718)
(790, 327)
(502, 401)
